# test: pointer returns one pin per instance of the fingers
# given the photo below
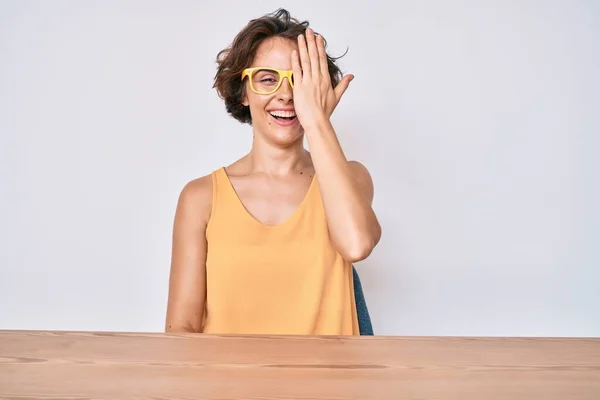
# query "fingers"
(313, 53)
(323, 59)
(304, 57)
(342, 86)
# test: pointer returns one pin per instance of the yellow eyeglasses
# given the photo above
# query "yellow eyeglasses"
(265, 80)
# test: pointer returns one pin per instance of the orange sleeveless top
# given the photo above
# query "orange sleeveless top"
(283, 279)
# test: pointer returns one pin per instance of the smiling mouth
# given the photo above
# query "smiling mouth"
(285, 116)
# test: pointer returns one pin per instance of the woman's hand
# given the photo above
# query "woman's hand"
(315, 99)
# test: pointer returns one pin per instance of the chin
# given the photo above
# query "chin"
(286, 138)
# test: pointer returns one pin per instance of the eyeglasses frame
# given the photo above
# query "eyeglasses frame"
(282, 75)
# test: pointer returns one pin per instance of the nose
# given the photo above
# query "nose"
(285, 92)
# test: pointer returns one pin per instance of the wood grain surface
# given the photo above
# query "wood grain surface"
(97, 365)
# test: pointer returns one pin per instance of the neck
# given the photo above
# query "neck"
(270, 159)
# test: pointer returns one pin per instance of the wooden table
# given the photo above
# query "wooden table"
(84, 365)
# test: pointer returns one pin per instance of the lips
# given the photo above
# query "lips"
(283, 118)
(283, 113)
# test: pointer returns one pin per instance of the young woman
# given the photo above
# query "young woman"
(266, 244)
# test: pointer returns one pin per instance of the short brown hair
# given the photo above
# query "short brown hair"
(240, 54)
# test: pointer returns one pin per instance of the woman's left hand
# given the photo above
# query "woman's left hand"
(315, 99)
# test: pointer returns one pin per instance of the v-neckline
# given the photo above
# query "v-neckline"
(249, 215)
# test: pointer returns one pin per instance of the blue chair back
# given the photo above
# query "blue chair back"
(364, 319)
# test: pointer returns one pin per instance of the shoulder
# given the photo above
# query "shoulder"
(359, 170)
(362, 177)
(198, 188)
(360, 173)
(195, 200)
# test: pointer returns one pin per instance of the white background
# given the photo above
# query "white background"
(479, 121)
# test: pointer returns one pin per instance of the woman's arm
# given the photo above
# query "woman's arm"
(347, 187)
(187, 282)
(347, 190)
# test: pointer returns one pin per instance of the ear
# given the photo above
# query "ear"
(245, 100)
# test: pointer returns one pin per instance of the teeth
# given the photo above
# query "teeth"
(287, 114)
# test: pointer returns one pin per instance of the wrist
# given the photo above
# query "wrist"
(319, 123)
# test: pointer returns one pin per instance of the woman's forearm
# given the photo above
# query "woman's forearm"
(347, 191)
